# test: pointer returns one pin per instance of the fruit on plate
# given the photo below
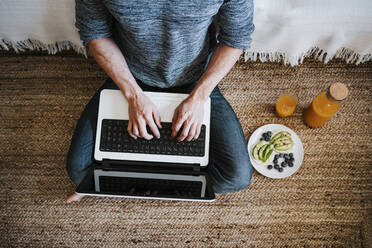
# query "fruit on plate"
(266, 136)
(256, 148)
(286, 160)
(267, 153)
(280, 135)
(262, 151)
(282, 141)
(284, 147)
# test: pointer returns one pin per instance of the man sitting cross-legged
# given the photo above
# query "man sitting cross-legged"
(171, 47)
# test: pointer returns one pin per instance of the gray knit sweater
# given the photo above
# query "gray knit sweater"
(166, 43)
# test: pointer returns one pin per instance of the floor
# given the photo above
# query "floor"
(328, 202)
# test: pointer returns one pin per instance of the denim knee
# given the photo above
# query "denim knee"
(76, 172)
(242, 178)
(237, 179)
(71, 169)
(78, 162)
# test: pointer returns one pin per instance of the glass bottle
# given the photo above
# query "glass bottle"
(325, 105)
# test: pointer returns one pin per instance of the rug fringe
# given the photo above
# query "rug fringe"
(30, 44)
(343, 53)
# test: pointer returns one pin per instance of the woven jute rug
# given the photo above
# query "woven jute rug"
(328, 202)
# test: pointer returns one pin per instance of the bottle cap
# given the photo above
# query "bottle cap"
(338, 91)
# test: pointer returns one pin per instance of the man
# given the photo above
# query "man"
(167, 46)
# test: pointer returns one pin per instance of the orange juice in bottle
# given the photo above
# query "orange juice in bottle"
(286, 105)
(325, 105)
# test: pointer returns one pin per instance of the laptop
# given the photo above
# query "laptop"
(147, 169)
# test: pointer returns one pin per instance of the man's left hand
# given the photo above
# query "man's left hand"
(188, 116)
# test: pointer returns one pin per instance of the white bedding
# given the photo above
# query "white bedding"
(287, 30)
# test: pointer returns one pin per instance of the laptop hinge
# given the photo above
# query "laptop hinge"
(110, 164)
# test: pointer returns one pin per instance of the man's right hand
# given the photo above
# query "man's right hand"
(142, 113)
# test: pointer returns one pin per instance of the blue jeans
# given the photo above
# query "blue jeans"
(229, 166)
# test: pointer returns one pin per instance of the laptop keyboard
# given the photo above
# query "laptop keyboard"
(150, 187)
(115, 138)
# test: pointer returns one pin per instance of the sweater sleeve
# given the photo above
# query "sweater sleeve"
(235, 20)
(93, 20)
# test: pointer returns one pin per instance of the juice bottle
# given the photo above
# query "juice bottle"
(286, 105)
(325, 105)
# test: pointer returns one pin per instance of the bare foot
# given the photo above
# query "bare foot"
(74, 197)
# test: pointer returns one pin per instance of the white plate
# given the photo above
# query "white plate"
(297, 150)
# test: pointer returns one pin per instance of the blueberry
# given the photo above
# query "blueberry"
(284, 164)
(290, 164)
(280, 169)
(269, 133)
(280, 155)
(261, 139)
(276, 156)
(286, 156)
(267, 138)
(276, 166)
(291, 155)
(275, 161)
(269, 167)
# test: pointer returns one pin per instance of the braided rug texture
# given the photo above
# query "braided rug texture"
(327, 203)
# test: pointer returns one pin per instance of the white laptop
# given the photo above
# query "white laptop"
(156, 169)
